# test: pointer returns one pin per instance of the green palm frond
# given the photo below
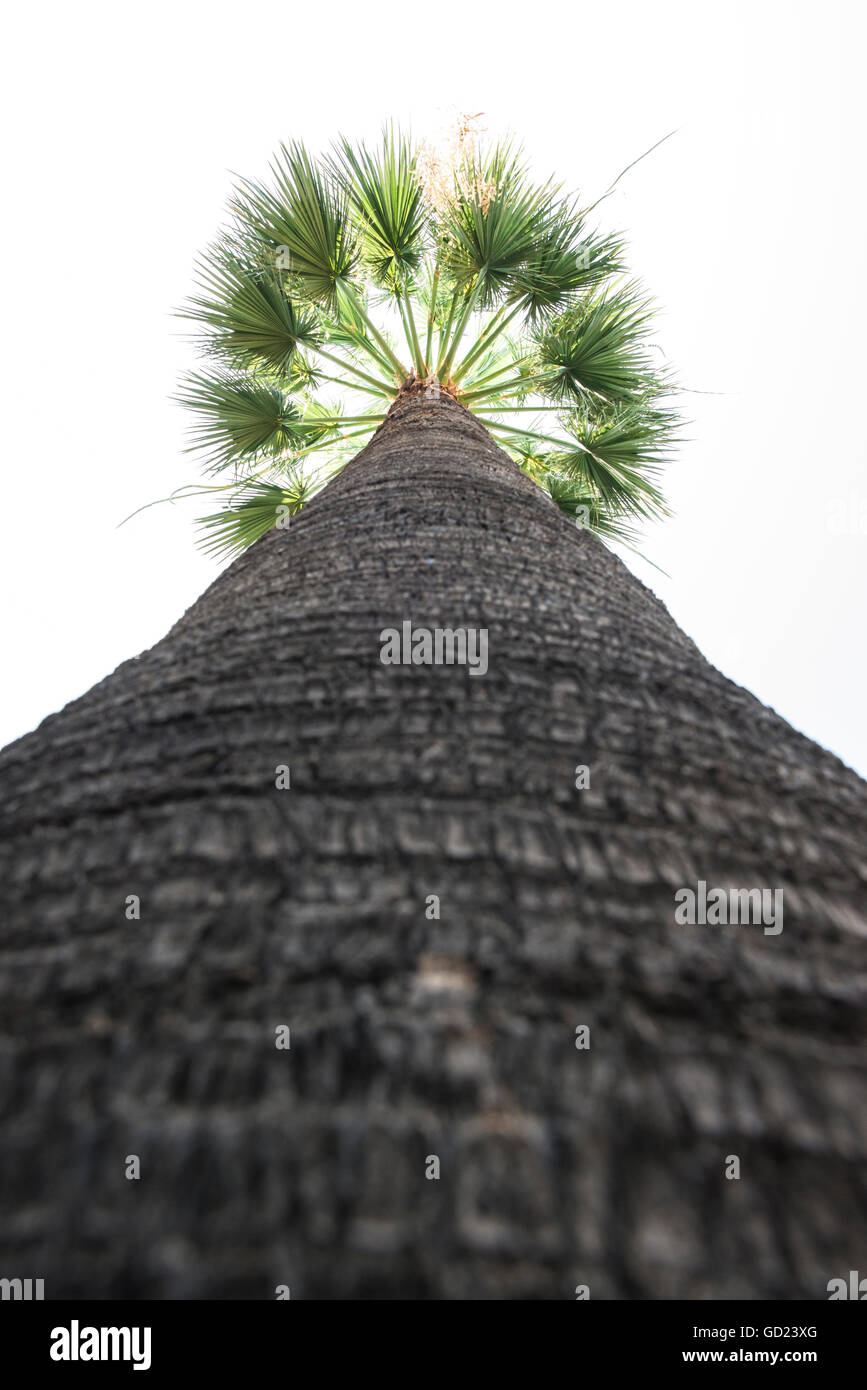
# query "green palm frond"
(348, 323)
(634, 436)
(318, 421)
(239, 417)
(563, 262)
(249, 319)
(620, 454)
(528, 451)
(386, 200)
(495, 223)
(301, 376)
(579, 502)
(598, 348)
(305, 220)
(255, 510)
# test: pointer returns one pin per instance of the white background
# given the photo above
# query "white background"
(121, 127)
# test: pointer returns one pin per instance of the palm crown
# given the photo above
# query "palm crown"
(373, 271)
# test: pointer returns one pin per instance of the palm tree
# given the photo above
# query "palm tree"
(376, 970)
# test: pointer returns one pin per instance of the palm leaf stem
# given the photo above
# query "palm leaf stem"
(383, 387)
(431, 314)
(444, 334)
(472, 299)
(490, 335)
(509, 366)
(487, 391)
(359, 309)
(412, 342)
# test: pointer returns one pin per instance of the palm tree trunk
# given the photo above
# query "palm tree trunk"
(415, 1037)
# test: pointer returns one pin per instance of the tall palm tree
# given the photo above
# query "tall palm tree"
(376, 969)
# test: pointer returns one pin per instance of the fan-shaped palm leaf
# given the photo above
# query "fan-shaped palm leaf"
(495, 223)
(386, 200)
(562, 262)
(598, 348)
(255, 510)
(248, 317)
(305, 220)
(240, 418)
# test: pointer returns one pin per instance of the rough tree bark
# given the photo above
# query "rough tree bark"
(413, 1037)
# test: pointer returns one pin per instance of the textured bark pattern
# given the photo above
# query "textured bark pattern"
(412, 1037)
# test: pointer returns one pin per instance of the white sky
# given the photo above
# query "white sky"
(121, 128)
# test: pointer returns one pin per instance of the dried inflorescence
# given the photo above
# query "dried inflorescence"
(450, 166)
